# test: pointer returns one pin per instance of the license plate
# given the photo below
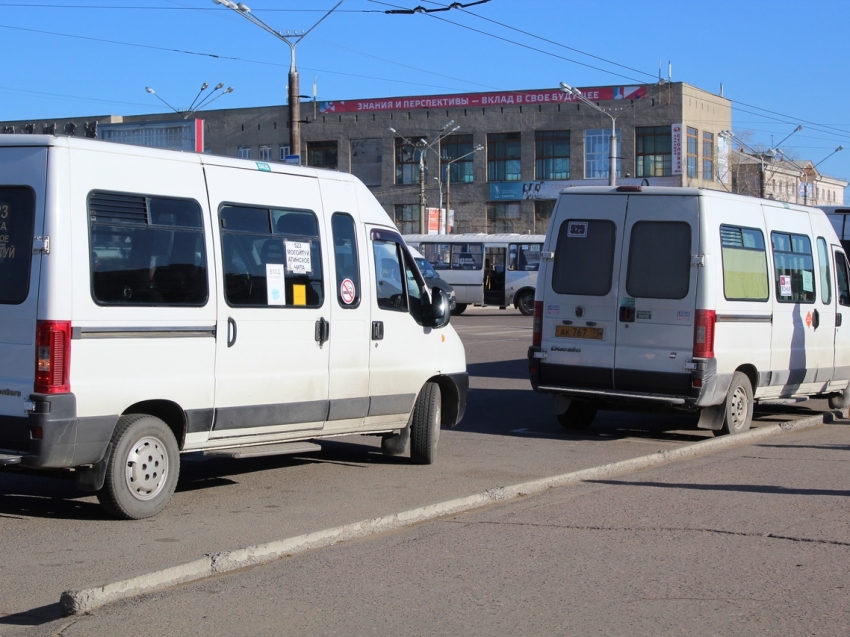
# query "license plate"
(572, 331)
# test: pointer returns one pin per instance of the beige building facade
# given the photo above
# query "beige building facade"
(498, 158)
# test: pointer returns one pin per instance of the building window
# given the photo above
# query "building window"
(503, 157)
(654, 151)
(322, 154)
(265, 153)
(708, 156)
(693, 151)
(244, 152)
(451, 148)
(502, 215)
(542, 214)
(284, 151)
(406, 163)
(597, 142)
(407, 218)
(552, 154)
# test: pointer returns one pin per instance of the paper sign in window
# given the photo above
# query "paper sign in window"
(275, 284)
(808, 281)
(298, 259)
(785, 285)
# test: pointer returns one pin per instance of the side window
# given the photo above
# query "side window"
(467, 256)
(17, 224)
(843, 279)
(823, 268)
(346, 261)
(659, 260)
(584, 257)
(744, 255)
(439, 255)
(272, 257)
(794, 268)
(415, 289)
(388, 275)
(146, 250)
(524, 257)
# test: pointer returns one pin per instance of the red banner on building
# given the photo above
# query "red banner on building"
(471, 100)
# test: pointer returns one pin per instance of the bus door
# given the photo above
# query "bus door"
(494, 276)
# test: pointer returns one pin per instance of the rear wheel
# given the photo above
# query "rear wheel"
(425, 426)
(525, 302)
(460, 308)
(840, 401)
(579, 415)
(142, 468)
(739, 406)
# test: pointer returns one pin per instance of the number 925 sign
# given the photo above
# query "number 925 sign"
(577, 229)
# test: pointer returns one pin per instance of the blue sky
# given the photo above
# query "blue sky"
(781, 63)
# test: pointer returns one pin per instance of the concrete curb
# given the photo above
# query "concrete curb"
(85, 600)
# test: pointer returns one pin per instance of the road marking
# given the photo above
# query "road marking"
(84, 600)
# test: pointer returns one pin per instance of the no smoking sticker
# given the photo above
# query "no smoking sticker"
(346, 291)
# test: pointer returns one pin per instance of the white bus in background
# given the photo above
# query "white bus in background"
(485, 269)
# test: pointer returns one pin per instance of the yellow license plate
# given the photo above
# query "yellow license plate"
(572, 331)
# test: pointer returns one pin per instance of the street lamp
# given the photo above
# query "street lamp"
(612, 151)
(293, 97)
(423, 146)
(195, 105)
(448, 166)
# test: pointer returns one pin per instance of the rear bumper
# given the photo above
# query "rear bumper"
(52, 437)
(699, 387)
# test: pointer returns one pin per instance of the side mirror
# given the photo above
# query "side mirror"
(437, 313)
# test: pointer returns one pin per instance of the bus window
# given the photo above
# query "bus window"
(437, 254)
(467, 256)
(524, 257)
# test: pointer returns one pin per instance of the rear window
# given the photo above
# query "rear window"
(584, 257)
(17, 219)
(659, 260)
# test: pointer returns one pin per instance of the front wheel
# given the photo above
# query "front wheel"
(525, 302)
(425, 426)
(460, 308)
(142, 468)
(739, 406)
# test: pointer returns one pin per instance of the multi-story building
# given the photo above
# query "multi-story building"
(774, 176)
(500, 162)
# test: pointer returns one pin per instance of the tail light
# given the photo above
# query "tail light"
(52, 357)
(704, 334)
(537, 325)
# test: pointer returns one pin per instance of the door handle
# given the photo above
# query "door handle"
(815, 319)
(377, 330)
(323, 331)
(231, 331)
(837, 319)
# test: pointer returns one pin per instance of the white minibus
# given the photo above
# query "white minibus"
(154, 303)
(688, 299)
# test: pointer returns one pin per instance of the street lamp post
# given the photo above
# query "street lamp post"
(448, 165)
(294, 99)
(195, 105)
(423, 146)
(612, 150)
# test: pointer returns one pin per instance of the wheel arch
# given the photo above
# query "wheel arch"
(168, 412)
(750, 372)
(450, 407)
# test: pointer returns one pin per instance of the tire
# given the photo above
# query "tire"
(460, 308)
(739, 406)
(840, 401)
(425, 426)
(525, 303)
(142, 468)
(579, 415)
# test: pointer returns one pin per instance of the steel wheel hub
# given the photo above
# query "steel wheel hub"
(146, 468)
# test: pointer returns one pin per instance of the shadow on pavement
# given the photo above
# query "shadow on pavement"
(738, 488)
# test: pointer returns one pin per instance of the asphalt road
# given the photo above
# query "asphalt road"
(53, 537)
